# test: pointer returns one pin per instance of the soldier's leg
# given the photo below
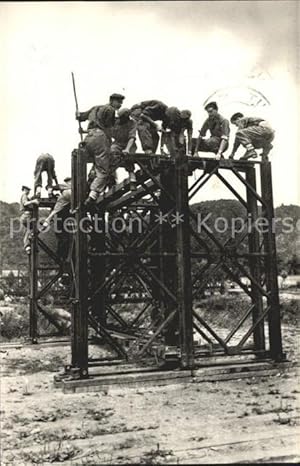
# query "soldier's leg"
(118, 160)
(209, 145)
(39, 167)
(50, 172)
(168, 142)
(174, 143)
(148, 137)
(98, 144)
(129, 166)
(267, 146)
(155, 139)
(116, 156)
(253, 137)
(25, 220)
(91, 175)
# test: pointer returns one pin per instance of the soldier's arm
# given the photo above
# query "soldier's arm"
(235, 148)
(63, 200)
(224, 137)
(189, 136)
(131, 138)
(202, 134)
(203, 130)
(83, 116)
(129, 145)
(28, 202)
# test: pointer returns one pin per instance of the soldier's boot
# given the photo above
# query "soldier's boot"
(250, 153)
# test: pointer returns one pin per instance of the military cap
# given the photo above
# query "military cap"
(124, 112)
(185, 114)
(25, 187)
(116, 97)
(235, 116)
(213, 105)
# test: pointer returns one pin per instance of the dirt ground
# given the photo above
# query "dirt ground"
(245, 420)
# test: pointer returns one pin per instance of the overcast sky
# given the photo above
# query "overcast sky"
(178, 52)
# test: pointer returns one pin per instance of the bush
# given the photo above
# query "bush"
(14, 321)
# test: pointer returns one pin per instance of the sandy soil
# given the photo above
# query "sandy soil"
(245, 420)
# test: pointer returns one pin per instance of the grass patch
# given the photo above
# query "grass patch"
(59, 453)
(33, 365)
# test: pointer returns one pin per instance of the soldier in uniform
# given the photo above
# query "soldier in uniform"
(98, 140)
(219, 130)
(44, 163)
(124, 135)
(61, 211)
(147, 113)
(26, 206)
(252, 133)
(174, 125)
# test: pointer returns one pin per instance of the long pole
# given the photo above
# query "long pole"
(76, 104)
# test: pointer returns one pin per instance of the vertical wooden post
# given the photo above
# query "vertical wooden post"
(254, 261)
(98, 270)
(184, 279)
(80, 305)
(168, 244)
(33, 313)
(271, 264)
(158, 265)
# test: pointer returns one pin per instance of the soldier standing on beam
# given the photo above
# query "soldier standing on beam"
(44, 163)
(147, 113)
(252, 133)
(98, 140)
(219, 130)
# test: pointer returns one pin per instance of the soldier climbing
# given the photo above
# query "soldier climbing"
(101, 120)
(252, 133)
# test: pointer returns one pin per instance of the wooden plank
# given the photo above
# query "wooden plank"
(106, 382)
(238, 368)
(140, 376)
(236, 375)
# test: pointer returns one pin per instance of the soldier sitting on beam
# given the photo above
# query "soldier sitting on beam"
(219, 130)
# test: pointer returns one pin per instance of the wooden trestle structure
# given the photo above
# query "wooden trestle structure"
(139, 291)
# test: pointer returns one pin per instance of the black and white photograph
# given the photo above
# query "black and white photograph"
(149, 232)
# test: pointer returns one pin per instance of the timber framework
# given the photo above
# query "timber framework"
(140, 292)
